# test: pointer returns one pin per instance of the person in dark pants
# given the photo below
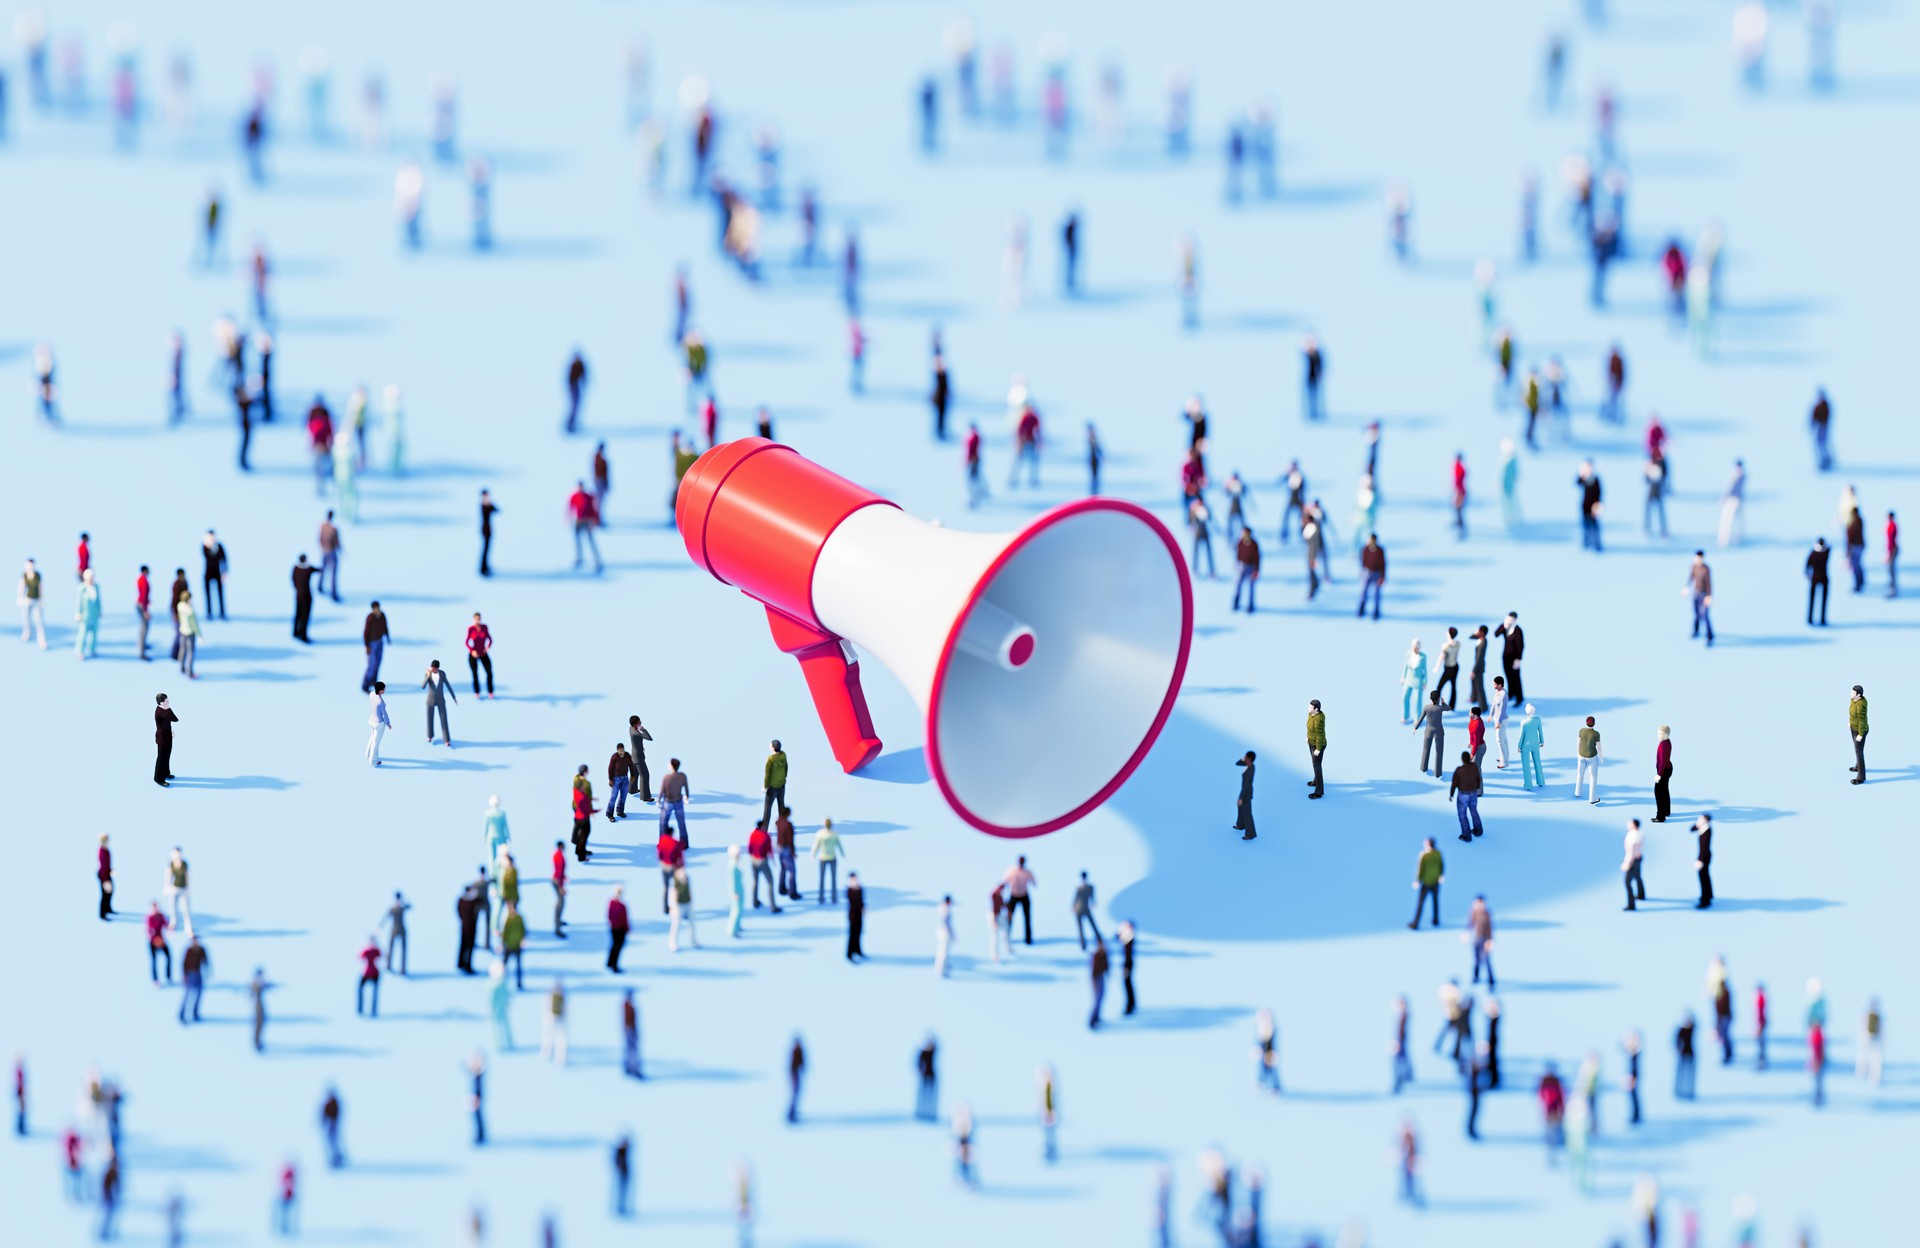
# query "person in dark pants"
(637, 738)
(468, 908)
(942, 396)
(1432, 725)
(373, 636)
(1683, 1087)
(796, 1067)
(856, 915)
(1857, 729)
(243, 413)
(1703, 860)
(1243, 821)
(1429, 874)
(477, 1099)
(1100, 965)
(195, 966)
(1019, 882)
(1492, 1011)
(487, 509)
(1663, 776)
(926, 1103)
(1316, 746)
(303, 574)
(622, 1177)
(163, 721)
(630, 1036)
(1512, 649)
(1817, 579)
(1478, 692)
(1476, 1083)
(1126, 964)
(576, 385)
(213, 572)
(616, 929)
(1631, 863)
(1631, 1083)
(330, 1128)
(1450, 670)
(103, 872)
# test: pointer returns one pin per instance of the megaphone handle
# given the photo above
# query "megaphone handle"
(833, 678)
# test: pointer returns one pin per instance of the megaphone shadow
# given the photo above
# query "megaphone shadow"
(1341, 866)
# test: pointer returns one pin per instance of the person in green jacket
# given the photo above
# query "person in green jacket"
(86, 641)
(499, 996)
(189, 632)
(826, 852)
(737, 885)
(1857, 728)
(1531, 738)
(513, 935)
(1413, 682)
(774, 780)
(1429, 873)
(1316, 744)
(506, 882)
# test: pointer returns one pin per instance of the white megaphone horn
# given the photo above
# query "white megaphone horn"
(1046, 661)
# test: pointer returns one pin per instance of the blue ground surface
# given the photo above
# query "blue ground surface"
(296, 845)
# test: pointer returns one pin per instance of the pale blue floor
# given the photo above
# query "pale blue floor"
(296, 845)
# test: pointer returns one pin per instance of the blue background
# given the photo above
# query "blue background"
(296, 845)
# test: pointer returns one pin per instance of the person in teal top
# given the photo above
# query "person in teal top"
(397, 426)
(496, 826)
(1531, 737)
(1413, 682)
(826, 852)
(87, 612)
(1509, 483)
(737, 890)
(499, 997)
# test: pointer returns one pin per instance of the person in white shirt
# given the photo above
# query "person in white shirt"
(1630, 865)
(943, 935)
(378, 721)
(1500, 719)
(1450, 667)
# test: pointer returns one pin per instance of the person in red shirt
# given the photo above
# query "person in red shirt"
(1026, 446)
(287, 1187)
(760, 850)
(83, 555)
(369, 978)
(560, 884)
(1893, 556)
(585, 517)
(582, 814)
(479, 654)
(104, 873)
(143, 607)
(1760, 1025)
(671, 855)
(1476, 734)
(616, 928)
(1460, 494)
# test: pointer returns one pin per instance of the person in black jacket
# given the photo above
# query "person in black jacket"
(942, 395)
(1243, 821)
(1817, 578)
(1512, 650)
(1479, 692)
(303, 574)
(163, 721)
(213, 576)
(856, 915)
(1703, 860)
(1588, 483)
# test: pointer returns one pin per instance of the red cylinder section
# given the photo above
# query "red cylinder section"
(756, 514)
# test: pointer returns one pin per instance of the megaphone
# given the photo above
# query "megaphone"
(1046, 661)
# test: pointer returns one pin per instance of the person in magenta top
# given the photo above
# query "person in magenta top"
(479, 654)
(1893, 556)
(560, 884)
(103, 871)
(83, 557)
(369, 978)
(143, 607)
(157, 926)
(976, 488)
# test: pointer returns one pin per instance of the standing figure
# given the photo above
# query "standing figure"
(1857, 729)
(33, 615)
(1703, 859)
(1587, 757)
(1432, 727)
(1663, 776)
(1700, 589)
(1317, 745)
(439, 689)
(1243, 820)
(487, 510)
(378, 721)
(1413, 682)
(86, 614)
(163, 721)
(1429, 873)
(1532, 738)
(1632, 862)
(479, 654)
(856, 916)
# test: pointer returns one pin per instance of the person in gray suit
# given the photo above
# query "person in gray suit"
(1431, 724)
(439, 689)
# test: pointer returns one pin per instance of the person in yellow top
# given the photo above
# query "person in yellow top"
(189, 633)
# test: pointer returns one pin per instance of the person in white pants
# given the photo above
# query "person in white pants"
(680, 907)
(999, 918)
(1500, 719)
(943, 935)
(553, 1026)
(1587, 762)
(33, 615)
(378, 721)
